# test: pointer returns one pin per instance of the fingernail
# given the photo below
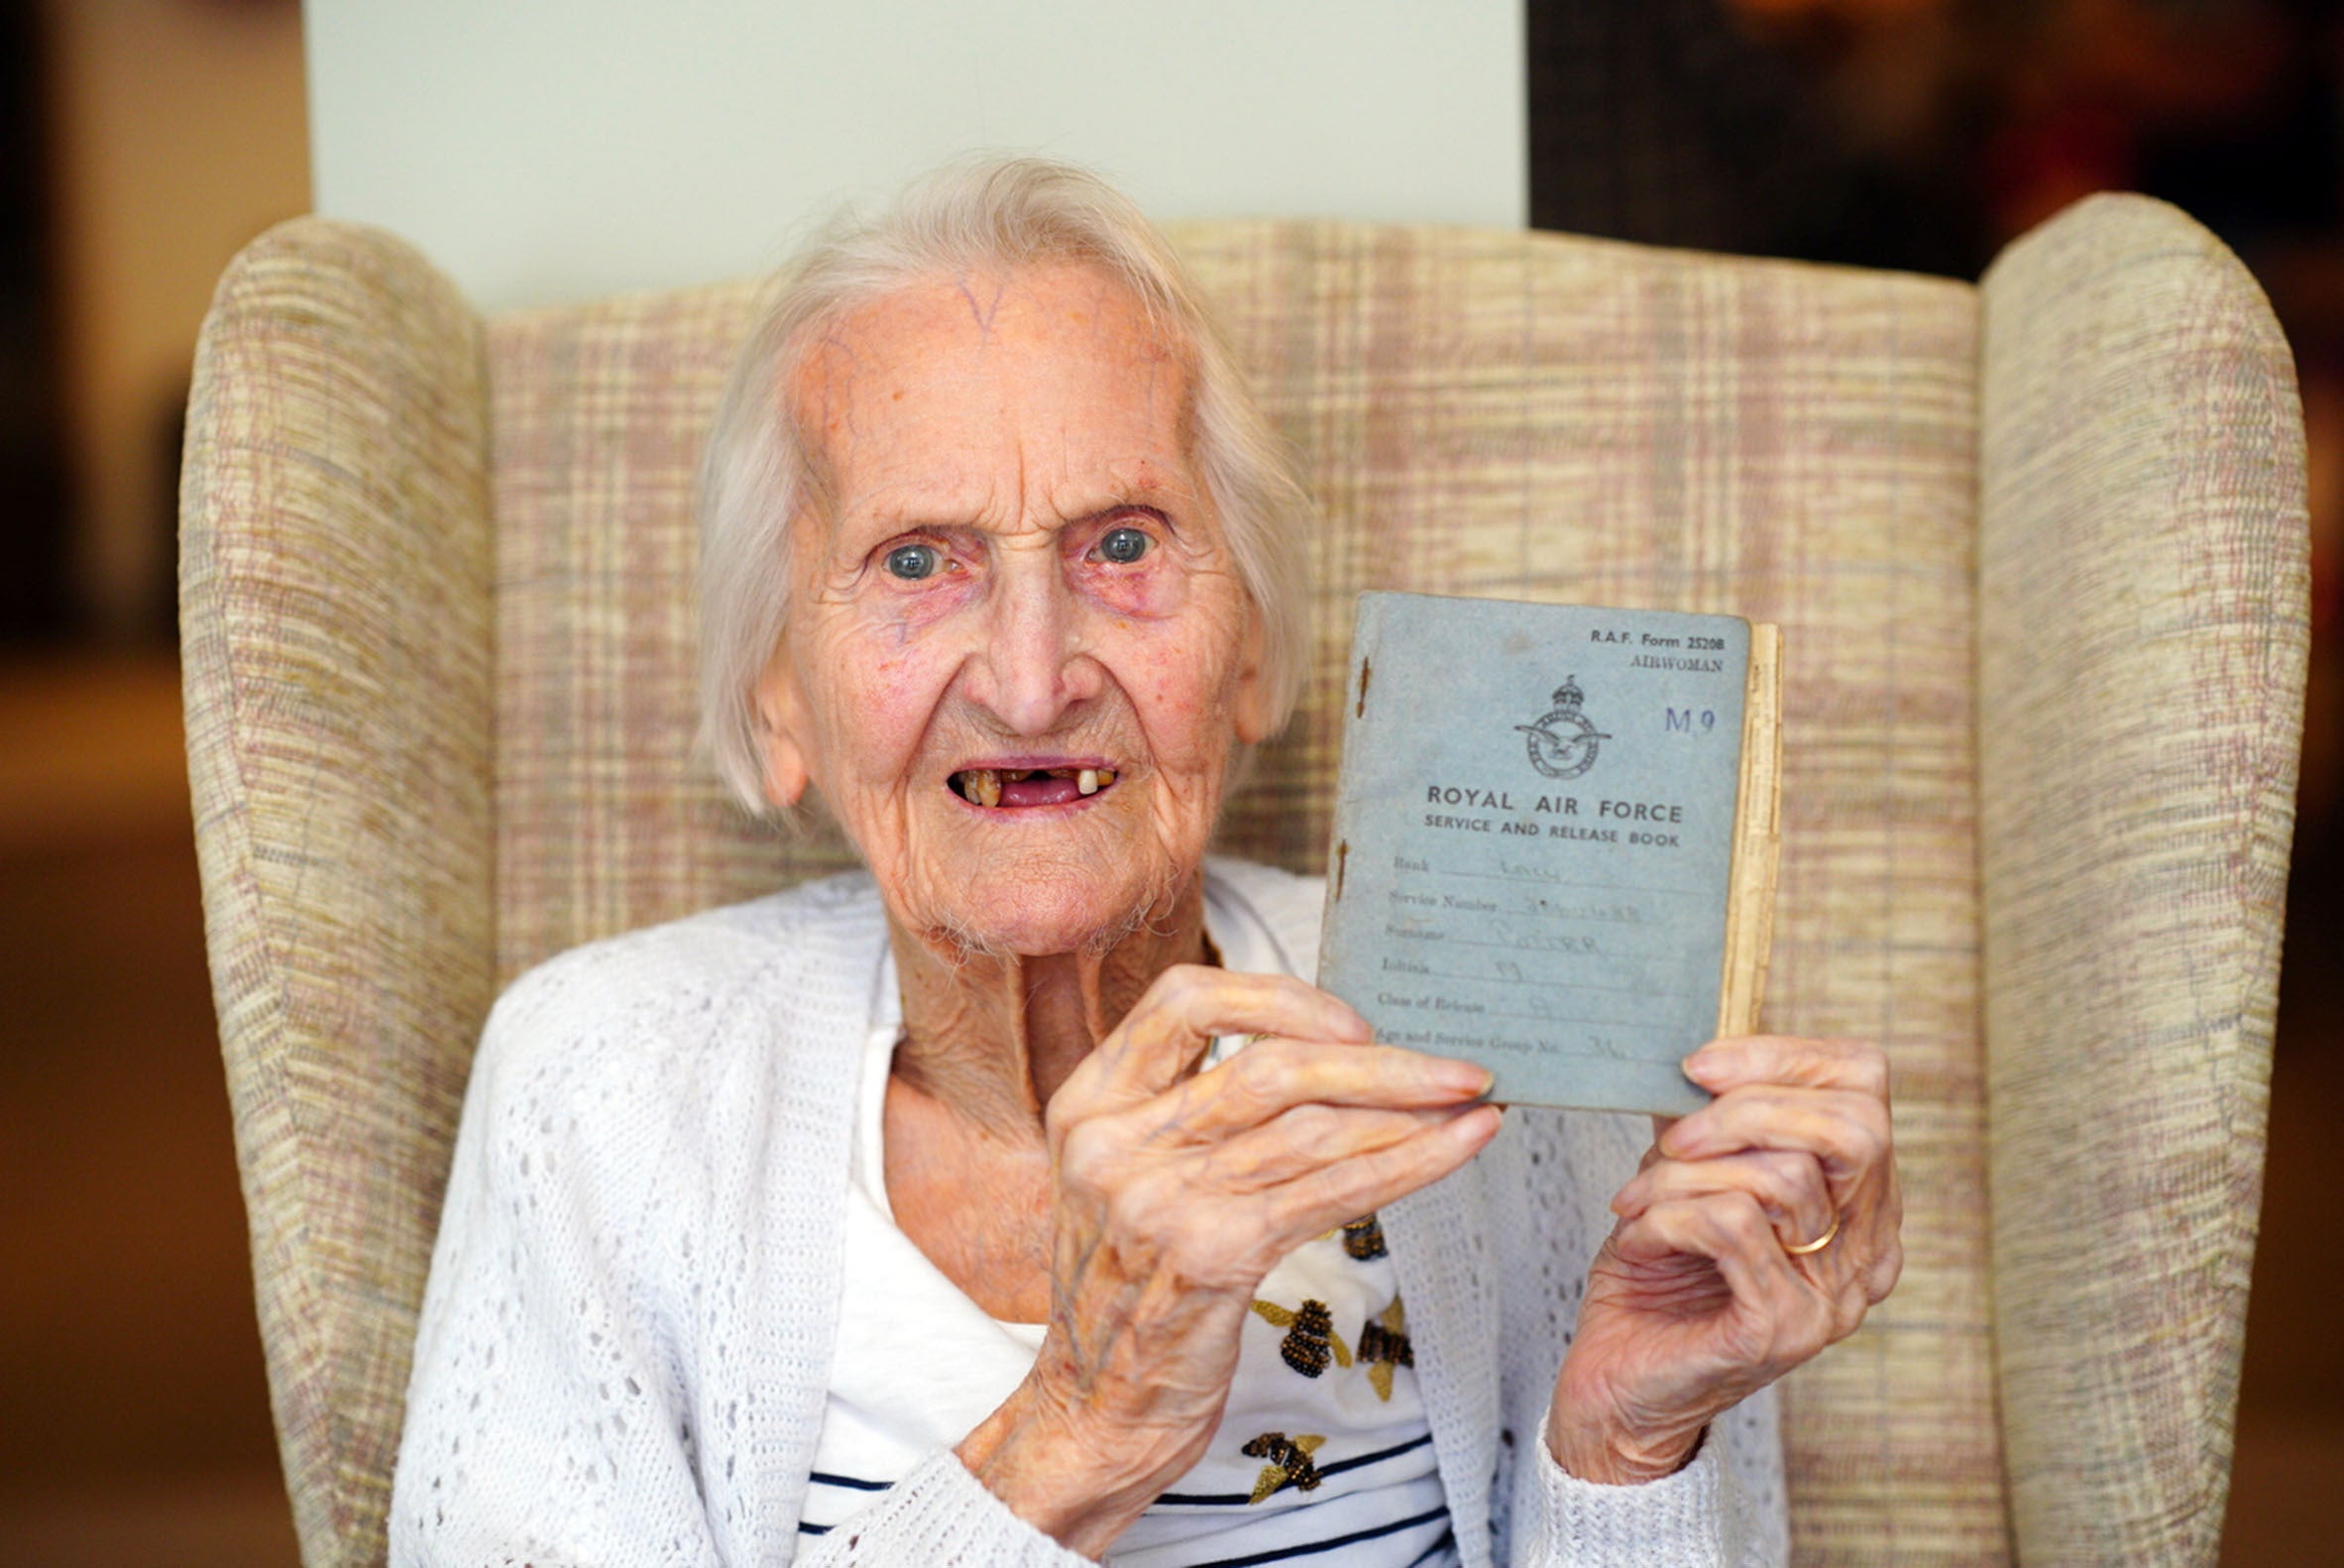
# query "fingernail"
(1467, 1076)
(1468, 1126)
(1714, 1059)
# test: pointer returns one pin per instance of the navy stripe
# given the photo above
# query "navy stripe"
(1225, 1499)
(821, 1478)
(1316, 1548)
(1448, 1540)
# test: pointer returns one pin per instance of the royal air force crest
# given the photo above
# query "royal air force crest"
(1563, 745)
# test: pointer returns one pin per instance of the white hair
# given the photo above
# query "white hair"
(994, 215)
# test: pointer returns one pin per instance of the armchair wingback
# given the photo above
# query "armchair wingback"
(2036, 547)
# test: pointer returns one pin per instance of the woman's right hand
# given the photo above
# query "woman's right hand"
(1176, 1191)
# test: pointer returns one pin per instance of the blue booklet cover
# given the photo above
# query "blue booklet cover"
(1535, 831)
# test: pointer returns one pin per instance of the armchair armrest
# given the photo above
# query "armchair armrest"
(335, 614)
(2143, 627)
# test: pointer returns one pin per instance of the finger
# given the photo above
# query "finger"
(1845, 1130)
(1162, 1036)
(1787, 1184)
(1794, 1317)
(1858, 1066)
(1876, 1238)
(1272, 1076)
(1848, 1136)
(1337, 1194)
(1305, 1139)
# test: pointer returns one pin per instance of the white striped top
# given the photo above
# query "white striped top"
(1324, 1448)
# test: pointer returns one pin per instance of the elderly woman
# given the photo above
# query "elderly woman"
(1019, 1200)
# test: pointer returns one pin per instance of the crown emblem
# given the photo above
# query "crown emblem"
(1563, 745)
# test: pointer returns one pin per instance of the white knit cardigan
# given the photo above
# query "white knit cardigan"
(627, 1338)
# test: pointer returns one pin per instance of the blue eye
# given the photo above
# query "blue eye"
(1123, 546)
(912, 562)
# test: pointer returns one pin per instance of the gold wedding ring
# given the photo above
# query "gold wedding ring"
(1820, 1242)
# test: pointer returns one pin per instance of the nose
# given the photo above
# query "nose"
(1033, 668)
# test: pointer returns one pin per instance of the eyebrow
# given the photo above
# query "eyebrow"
(886, 522)
(1150, 509)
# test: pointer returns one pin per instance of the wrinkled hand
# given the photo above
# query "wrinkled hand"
(1176, 1191)
(1694, 1303)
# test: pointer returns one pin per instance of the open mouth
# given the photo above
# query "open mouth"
(1008, 788)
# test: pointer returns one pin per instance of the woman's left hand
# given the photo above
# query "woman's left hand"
(1697, 1299)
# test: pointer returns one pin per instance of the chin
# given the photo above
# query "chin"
(1033, 911)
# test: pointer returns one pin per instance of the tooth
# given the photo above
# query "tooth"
(1106, 776)
(984, 785)
(1087, 781)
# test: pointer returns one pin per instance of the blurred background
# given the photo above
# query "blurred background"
(143, 141)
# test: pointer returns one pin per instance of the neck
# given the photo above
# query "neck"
(992, 1037)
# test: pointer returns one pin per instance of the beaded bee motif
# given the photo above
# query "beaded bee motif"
(1289, 1462)
(1363, 1239)
(1310, 1337)
(1384, 1345)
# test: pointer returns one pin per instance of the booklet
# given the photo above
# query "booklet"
(1554, 841)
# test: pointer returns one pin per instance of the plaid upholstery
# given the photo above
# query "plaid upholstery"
(1480, 412)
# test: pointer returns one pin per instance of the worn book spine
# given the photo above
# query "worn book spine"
(1757, 841)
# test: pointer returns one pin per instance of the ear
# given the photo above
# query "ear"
(782, 732)
(1254, 719)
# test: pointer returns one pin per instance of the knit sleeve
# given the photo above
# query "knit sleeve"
(546, 1419)
(1703, 1515)
(938, 1517)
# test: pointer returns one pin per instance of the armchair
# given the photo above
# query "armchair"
(2037, 547)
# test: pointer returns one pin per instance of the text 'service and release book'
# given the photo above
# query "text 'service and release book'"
(1555, 840)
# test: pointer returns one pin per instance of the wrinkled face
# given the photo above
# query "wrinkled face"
(1018, 651)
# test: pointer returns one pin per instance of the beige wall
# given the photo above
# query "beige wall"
(179, 132)
(543, 150)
